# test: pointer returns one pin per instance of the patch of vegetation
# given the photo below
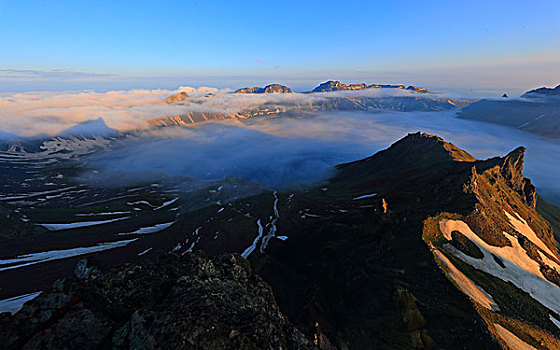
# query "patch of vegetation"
(464, 244)
(431, 232)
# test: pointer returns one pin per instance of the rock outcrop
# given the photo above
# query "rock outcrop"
(178, 97)
(512, 170)
(175, 302)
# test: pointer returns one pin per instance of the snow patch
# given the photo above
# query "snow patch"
(249, 250)
(58, 227)
(14, 304)
(511, 339)
(37, 258)
(365, 196)
(519, 269)
(145, 251)
(521, 226)
(165, 204)
(466, 285)
(554, 320)
(150, 229)
(105, 213)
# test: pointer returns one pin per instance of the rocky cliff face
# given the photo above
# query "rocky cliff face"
(187, 302)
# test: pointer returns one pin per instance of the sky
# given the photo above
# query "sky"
(474, 47)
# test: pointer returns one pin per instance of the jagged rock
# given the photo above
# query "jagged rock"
(188, 302)
(512, 170)
(505, 95)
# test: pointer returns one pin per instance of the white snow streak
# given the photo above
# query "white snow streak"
(165, 204)
(37, 258)
(14, 304)
(272, 225)
(365, 196)
(145, 251)
(150, 229)
(249, 250)
(58, 227)
(466, 285)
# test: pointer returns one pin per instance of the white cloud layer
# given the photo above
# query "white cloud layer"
(33, 113)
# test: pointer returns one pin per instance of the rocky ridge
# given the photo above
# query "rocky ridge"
(543, 92)
(174, 302)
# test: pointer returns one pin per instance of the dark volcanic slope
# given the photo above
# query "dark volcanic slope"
(361, 268)
(365, 260)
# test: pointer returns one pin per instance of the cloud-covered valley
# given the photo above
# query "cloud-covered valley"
(284, 151)
(275, 151)
(37, 113)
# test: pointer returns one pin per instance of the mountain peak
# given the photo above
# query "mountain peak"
(90, 128)
(269, 89)
(433, 146)
(178, 97)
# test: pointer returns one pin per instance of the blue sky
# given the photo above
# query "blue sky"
(480, 46)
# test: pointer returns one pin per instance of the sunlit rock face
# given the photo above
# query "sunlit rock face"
(179, 97)
(269, 89)
(338, 86)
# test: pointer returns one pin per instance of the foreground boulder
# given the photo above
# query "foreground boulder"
(176, 302)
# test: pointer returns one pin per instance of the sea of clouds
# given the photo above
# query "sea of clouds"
(276, 152)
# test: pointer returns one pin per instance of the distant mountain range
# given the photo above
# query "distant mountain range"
(269, 89)
(328, 86)
(419, 99)
(537, 111)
